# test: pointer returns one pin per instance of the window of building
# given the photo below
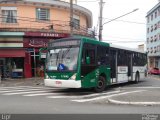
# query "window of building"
(147, 30)
(155, 14)
(76, 22)
(155, 49)
(42, 14)
(158, 24)
(151, 39)
(9, 14)
(151, 17)
(155, 26)
(158, 11)
(158, 48)
(148, 19)
(151, 28)
(147, 50)
(158, 36)
(147, 40)
(151, 49)
(155, 37)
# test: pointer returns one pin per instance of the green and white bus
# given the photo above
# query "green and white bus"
(81, 62)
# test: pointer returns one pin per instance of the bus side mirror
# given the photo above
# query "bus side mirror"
(88, 60)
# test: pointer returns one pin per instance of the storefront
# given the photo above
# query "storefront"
(19, 53)
(33, 42)
(12, 54)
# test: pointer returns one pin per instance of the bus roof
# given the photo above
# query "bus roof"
(95, 41)
(83, 39)
(125, 48)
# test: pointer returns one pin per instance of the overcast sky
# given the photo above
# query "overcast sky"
(130, 30)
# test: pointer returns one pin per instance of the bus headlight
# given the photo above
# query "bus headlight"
(73, 77)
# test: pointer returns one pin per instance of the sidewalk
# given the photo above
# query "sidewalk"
(10, 82)
(140, 96)
(137, 97)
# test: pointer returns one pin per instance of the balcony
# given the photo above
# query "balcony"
(43, 26)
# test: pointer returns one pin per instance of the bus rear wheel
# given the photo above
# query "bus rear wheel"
(137, 78)
(101, 85)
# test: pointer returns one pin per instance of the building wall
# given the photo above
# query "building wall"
(153, 36)
(59, 18)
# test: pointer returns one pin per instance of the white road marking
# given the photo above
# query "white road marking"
(139, 87)
(28, 87)
(107, 96)
(133, 103)
(40, 94)
(83, 96)
(62, 97)
(18, 93)
(7, 91)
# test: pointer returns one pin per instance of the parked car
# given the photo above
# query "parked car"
(154, 71)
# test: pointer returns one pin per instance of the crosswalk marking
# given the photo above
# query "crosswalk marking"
(6, 91)
(18, 93)
(56, 93)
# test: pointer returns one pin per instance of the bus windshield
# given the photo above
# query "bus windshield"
(62, 59)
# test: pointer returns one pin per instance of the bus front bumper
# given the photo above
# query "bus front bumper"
(62, 83)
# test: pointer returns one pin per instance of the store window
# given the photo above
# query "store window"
(9, 14)
(42, 14)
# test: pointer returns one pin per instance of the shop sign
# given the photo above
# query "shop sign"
(35, 42)
(46, 34)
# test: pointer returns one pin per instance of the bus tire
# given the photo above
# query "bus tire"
(101, 85)
(137, 77)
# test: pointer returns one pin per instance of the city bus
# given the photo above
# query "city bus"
(81, 62)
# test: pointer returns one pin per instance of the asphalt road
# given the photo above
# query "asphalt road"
(41, 100)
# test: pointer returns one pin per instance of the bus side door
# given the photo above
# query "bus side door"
(88, 58)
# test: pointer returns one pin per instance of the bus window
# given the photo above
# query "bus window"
(88, 52)
(102, 55)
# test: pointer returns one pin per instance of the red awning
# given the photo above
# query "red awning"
(12, 53)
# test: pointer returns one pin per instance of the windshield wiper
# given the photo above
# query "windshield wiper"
(66, 52)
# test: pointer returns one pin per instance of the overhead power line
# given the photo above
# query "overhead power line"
(129, 21)
(87, 1)
(118, 41)
(127, 38)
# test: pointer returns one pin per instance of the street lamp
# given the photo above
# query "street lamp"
(101, 27)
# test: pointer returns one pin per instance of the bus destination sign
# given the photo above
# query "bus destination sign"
(64, 43)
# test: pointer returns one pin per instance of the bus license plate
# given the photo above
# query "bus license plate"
(58, 82)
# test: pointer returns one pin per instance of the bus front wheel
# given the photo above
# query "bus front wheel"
(101, 84)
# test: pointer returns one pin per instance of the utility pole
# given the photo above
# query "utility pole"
(100, 19)
(71, 17)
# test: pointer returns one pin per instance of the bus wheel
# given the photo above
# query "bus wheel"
(101, 85)
(137, 78)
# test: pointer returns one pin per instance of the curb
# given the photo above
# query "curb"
(132, 103)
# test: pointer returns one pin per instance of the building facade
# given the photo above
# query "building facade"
(27, 26)
(153, 36)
